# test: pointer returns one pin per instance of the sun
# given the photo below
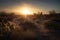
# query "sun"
(26, 11)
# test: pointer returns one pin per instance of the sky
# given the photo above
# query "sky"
(35, 5)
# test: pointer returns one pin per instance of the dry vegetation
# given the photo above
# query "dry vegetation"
(34, 27)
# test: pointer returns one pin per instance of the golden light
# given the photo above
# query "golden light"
(26, 11)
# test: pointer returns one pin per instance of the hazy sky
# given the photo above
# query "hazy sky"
(44, 5)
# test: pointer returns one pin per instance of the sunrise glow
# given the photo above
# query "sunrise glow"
(25, 12)
(26, 9)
